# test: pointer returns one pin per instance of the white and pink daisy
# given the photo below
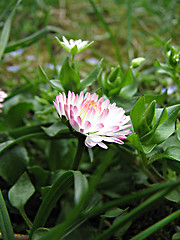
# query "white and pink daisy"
(97, 119)
(74, 46)
(2, 96)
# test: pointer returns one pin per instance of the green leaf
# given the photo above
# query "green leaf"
(74, 50)
(57, 85)
(91, 78)
(123, 228)
(161, 116)
(137, 113)
(174, 196)
(6, 31)
(69, 78)
(178, 129)
(53, 195)
(39, 233)
(128, 78)
(80, 186)
(148, 148)
(176, 236)
(5, 223)
(170, 142)
(159, 98)
(167, 128)
(15, 115)
(21, 191)
(164, 127)
(114, 74)
(114, 91)
(43, 74)
(60, 153)
(133, 140)
(22, 131)
(6, 145)
(143, 127)
(115, 212)
(126, 103)
(13, 163)
(150, 112)
(55, 129)
(147, 118)
(129, 86)
(41, 176)
(172, 153)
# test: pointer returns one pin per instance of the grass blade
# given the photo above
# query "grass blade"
(146, 233)
(59, 187)
(35, 37)
(6, 31)
(129, 23)
(106, 26)
(5, 223)
(133, 214)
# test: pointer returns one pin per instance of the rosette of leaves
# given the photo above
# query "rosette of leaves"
(152, 125)
(116, 83)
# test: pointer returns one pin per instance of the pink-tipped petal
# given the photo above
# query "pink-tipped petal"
(99, 126)
(87, 125)
(79, 120)
(74, 124)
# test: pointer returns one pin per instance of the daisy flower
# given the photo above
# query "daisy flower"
(97, 119)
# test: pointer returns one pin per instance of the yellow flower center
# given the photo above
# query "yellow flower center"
(87, 106)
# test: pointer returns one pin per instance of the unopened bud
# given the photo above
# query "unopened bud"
(136, 62)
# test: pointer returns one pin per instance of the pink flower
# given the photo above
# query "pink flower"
(2, 96)
(96, 118)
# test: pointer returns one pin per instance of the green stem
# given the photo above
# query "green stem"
(25, 217)
(143, 165)
(72, 61)
(165, 168)
(79, 153)
(73, 57)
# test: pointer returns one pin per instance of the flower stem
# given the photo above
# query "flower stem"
(79, 153)
(143, 165)
(72, 61)
(26, 219)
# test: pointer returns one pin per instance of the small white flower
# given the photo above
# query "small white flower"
(74, 46)
(95, 118)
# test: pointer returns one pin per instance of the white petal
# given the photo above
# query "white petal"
(101, 144)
